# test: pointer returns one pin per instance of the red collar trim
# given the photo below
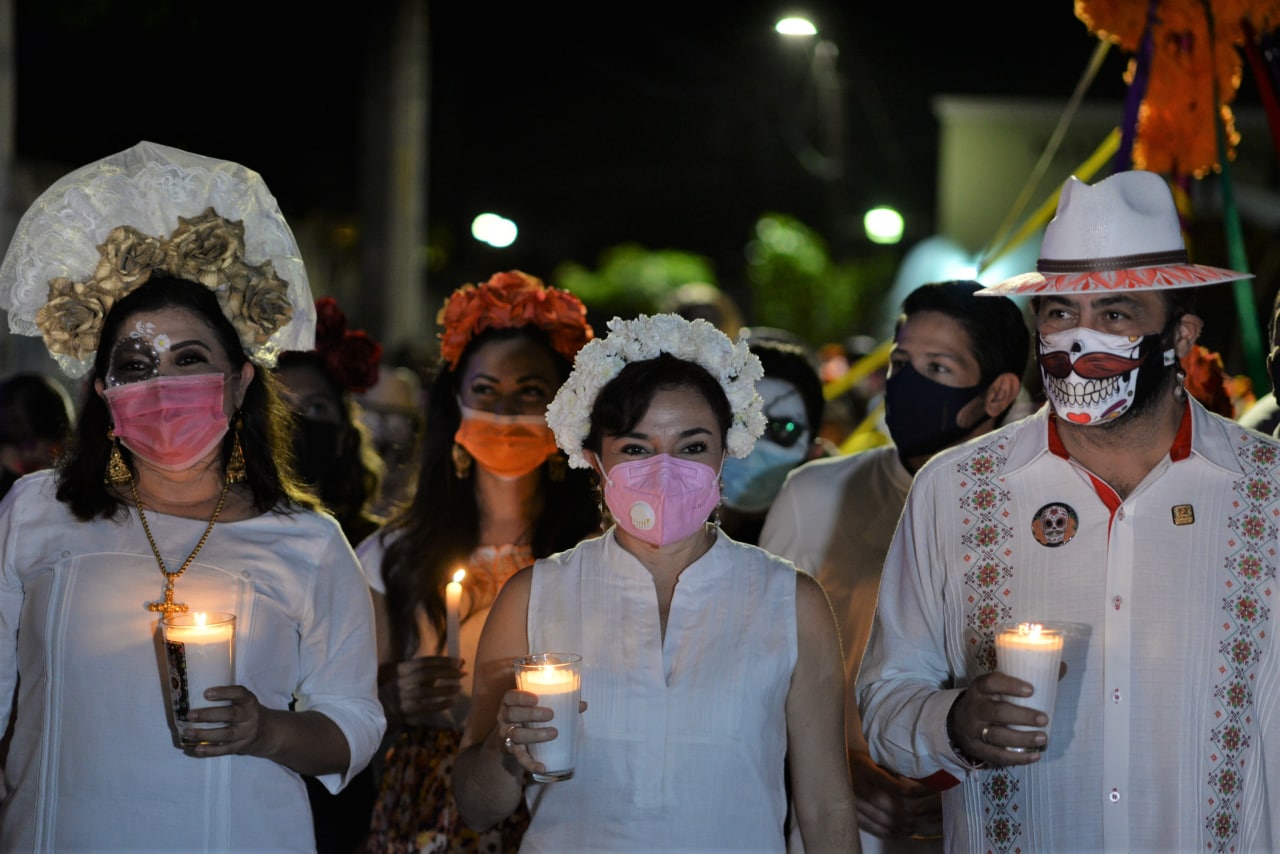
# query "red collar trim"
(1178, 451)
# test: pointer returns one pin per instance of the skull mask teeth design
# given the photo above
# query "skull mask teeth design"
(1054, 524)
(1090, 376)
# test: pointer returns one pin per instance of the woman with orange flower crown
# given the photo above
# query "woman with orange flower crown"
(493, 494)
(185, 635)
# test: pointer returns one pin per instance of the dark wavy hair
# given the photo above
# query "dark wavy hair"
(440, 528)
(264, 434)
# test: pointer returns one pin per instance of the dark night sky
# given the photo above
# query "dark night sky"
(663, 125)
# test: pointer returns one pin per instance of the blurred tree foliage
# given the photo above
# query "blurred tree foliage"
(631, 280)
(795, 285)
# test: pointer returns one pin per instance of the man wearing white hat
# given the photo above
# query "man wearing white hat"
(1133, 518)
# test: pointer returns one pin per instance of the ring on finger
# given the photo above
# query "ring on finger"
(506, 739)
(985, 730)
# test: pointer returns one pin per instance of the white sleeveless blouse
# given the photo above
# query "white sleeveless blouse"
(683, 742)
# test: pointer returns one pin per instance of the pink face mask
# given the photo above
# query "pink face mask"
(661, 499)
(171, 422)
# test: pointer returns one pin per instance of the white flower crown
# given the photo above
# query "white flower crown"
(646, 337)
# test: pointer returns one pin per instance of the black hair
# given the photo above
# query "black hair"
(266, 421)
(998, 335)
(439, 528)
(625, 399)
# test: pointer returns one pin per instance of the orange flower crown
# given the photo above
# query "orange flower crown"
(508, 300)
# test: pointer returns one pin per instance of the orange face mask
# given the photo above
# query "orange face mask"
(509, 446)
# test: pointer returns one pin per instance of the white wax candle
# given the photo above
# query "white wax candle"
(200, 650)
(1031, 652)
(557, 690)
(452, 606)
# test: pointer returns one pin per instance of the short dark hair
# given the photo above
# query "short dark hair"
(998, 335)
(625, 399)
(791, 363)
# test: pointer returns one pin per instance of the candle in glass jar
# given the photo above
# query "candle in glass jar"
(452, 606)
(556, 679)
(1031, 652)
(200, 650)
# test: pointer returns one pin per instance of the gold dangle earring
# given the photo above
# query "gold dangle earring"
(461, 462)
(235, 466)
(117, 471)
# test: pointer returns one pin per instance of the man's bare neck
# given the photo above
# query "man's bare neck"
(1124, 453)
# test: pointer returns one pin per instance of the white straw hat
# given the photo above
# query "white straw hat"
(1122, 233)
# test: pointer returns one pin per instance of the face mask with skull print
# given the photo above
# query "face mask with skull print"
(1091, 376)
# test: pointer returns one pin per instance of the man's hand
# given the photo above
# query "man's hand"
(891, 806)
(981, 721)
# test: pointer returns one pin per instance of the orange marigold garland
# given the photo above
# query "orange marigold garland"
(1176, 132)
(508, 300)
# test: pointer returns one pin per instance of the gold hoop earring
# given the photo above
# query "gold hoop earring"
(117, 470)
(236, 472)
(461, 462)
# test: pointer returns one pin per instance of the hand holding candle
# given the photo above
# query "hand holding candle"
(452, 606)
(557, 680)
(1031, 652)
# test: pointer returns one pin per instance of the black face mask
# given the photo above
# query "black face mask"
(921, 414)
(315, 449)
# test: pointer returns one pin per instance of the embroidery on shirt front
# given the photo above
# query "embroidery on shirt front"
(1249, 578)
(988, 556)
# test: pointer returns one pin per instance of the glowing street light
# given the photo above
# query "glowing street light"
(795, 26)
(883, 225)
(497, 231)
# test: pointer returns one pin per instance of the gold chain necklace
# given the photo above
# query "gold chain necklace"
(167, 606)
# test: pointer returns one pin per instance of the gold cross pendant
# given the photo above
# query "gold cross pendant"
(167, 606)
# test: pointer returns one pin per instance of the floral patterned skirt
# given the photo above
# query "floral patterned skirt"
(415, 811)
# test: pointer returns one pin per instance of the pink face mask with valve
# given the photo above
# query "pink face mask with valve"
(171, 422)
(661, 499)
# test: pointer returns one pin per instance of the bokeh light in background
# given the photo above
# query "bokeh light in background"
(495, 230)
(883, 225)
(795, 26)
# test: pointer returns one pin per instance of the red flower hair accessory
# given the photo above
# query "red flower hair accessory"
(508, 300)
(351, 358)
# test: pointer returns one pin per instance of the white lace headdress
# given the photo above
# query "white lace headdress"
(646, 337)
(100, 231)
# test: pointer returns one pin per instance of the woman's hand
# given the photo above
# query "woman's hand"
(243, 730)
(512, 733)
(306, 741)
(416, 691)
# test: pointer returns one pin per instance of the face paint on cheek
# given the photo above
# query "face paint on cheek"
(136, 357)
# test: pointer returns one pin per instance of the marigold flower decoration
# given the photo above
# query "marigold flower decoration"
(350, 357)
(507, 300)
(732, 363)
(208, 249)
(1176, 130)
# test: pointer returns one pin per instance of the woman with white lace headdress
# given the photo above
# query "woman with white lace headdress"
(711, 670)
(170, 282)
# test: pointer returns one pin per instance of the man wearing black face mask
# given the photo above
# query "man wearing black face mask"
(1128, 516)
(954, 373)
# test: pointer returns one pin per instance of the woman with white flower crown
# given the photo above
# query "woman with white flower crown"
(711, 670)
(170, 282)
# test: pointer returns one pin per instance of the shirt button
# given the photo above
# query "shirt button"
(1120, 514)
(66, 554)
(1117, 602)
(1115, 696)
(1115, 796)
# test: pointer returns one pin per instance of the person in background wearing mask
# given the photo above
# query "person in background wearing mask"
(334, 461)
(331, 452)
(709, 667)
(793, 407)
(36, 415)
(1131, 516)
(393, 412)
(494, 493)
(955, 370)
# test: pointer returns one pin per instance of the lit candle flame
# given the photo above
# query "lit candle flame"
(459, 575)
(200, 617)
(1031, 630)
